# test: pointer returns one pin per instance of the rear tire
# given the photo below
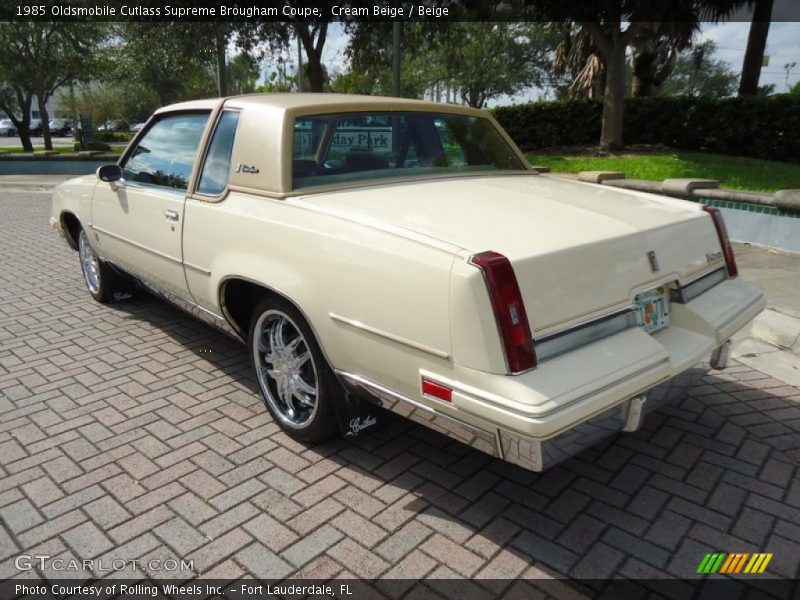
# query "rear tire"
(101, 279)
(295, 380)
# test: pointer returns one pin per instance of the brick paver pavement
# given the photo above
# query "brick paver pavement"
(132, 431)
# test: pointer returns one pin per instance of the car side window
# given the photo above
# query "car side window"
(217, 166)
(165, 155)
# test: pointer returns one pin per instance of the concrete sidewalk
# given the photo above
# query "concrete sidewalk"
(773, 343)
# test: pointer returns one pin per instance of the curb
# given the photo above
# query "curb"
(12, 182)
(778, 329)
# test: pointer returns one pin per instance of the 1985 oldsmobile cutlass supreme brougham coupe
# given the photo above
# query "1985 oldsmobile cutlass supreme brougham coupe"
(377, 251)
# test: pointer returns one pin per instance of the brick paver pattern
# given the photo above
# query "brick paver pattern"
(133, 431)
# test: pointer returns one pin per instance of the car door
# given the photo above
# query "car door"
(137, 222)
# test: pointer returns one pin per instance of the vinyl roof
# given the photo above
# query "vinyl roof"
(302, 102)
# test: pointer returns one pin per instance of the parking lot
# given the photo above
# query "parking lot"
(135, 432)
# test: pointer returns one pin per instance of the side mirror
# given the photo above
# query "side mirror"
(109, 173)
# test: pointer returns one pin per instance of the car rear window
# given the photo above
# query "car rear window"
(334, 149)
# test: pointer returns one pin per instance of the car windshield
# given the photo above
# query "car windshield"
(333, 149)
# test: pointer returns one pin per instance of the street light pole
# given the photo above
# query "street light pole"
(788, 67)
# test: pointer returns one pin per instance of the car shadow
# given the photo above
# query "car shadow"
(708, 473)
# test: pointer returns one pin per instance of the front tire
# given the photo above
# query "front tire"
(101, 280)
(294, 379)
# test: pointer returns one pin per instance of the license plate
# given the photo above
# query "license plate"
(652, 310)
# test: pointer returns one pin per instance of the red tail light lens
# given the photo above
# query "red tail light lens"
(509, 310)
(724, 241)
(437, 390)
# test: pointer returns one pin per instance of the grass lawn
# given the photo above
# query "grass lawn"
(731, 171)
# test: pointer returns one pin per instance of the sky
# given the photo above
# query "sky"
(783, 46)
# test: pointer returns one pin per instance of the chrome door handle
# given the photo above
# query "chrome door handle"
(171, 215)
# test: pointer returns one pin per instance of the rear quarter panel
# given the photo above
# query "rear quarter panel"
(330, 267)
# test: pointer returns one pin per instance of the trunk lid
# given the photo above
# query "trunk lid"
(576, 248)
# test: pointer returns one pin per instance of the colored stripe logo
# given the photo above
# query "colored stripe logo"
(741, 562)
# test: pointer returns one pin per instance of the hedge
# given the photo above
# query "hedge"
(759, 127)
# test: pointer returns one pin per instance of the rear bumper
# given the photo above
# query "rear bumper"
(538, 455)
(572, 401)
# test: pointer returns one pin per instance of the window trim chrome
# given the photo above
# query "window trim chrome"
(207, 148)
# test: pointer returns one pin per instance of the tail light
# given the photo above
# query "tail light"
(724, 241)
(509, 310)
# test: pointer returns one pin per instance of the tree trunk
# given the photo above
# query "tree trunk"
(316, 76)
(644, 66)
(756, 43)
(45, 119)
(314, 70)
(22, 125)
(222, 79)
(614, 99)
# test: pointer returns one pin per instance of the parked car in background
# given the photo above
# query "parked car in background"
(115, 125)
(35, 127)
(406, 252)
(61, 127)
(7, 128)
(138, 126)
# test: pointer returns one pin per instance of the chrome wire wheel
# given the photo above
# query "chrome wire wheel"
(90, 264)
(285, 369)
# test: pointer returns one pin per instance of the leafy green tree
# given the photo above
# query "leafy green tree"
(483, 60)
(369, 49)
(478, 60)
(271, 38)
(795, 90)
(37, 59)
(102, 102)
(166, 58)
(242, 73)
(697, 73)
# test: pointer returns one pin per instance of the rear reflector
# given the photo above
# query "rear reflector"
(437, 390)
(509, 310)
(724, 241)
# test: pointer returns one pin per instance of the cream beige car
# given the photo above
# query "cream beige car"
(397, 253)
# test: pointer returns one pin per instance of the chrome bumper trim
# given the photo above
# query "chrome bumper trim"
(525, 451)
(538, 455)
(480, 439)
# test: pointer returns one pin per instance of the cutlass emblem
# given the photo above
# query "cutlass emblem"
(357, 425)
(651, 256)
(252, 169)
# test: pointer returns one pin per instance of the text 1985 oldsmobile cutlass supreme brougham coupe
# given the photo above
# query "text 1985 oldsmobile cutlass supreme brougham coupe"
(403, 253)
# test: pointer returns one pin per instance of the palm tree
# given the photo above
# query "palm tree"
(756, 43)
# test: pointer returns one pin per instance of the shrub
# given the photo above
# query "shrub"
(114, 136)
(752, 126)
(95, 145)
